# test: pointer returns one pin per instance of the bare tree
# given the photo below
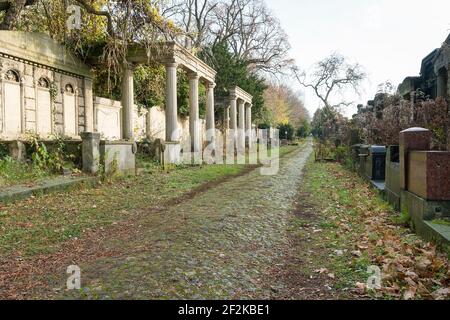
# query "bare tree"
(259, 38)
(332, 75)
(248, 27)
(194, 16)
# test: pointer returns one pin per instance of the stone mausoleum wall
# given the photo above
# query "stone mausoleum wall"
(43, 89)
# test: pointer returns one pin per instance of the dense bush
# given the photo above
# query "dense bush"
(286, 131)
(4, 150)
(304, 130)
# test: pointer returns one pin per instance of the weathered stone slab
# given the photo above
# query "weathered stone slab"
(15, 193)
(411, 139)
(428, 174)
(118, 156)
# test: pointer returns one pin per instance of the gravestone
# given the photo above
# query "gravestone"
(378, 163)
(393, 176)
(411, 139)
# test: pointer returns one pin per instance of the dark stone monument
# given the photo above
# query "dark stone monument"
(377, 160)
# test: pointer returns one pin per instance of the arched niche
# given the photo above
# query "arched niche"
(44, 107)
(12, 103)
(70, 110)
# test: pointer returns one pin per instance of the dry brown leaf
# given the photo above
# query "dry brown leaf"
(409, 294)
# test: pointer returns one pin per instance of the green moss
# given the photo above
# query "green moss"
(403, 219)
(442, 222)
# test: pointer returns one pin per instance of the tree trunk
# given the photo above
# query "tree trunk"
(12, 14)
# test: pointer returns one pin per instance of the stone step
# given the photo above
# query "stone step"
(438, 232)
(46, 186)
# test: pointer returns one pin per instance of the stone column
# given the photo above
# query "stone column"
(127, 103)
(194, 121)
(210, 121)
(248, 123)
(241, 125)
(226, 118)
(172, 134)
(88, 106)
(233, 113)
(411, 139)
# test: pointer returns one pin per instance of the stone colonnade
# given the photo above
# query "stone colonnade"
(238, 116)
(173, 57)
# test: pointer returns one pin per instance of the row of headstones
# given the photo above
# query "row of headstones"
(417, 179)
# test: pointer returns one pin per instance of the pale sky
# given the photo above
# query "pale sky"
(388, 37)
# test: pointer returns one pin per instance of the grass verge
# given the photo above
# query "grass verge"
(342, 227)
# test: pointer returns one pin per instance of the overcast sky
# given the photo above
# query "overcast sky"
(388, 37)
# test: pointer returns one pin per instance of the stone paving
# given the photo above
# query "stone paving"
(218, 245)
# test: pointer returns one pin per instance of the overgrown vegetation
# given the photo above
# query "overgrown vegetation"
(14, 172)
(353, 229)
(43, 159)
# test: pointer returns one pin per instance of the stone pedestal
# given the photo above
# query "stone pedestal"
(172, 153)
(18, 151)
(118, 157)
(91, 152)
(411, 139)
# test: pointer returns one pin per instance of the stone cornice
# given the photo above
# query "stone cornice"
(238, 93)
(40, 50)
(170, 52)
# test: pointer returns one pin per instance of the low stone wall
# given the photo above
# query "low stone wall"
(423, 212)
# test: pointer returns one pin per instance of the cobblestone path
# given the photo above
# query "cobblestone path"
(221, 244)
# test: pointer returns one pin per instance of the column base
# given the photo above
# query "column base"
(172, 153)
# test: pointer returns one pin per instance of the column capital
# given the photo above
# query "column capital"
(193, 76)
(129, 65)
(171, 64)
(210, 85)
